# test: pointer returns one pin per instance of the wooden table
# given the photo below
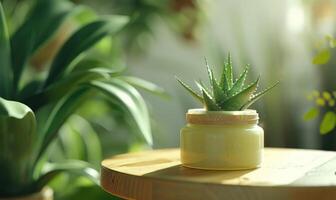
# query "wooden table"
(286, 174)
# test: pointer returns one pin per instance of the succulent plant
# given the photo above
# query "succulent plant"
(226, 94)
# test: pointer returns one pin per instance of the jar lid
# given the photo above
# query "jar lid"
(202, 116)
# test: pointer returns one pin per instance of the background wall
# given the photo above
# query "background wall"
(275, 37)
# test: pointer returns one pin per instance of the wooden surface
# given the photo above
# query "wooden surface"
(285, 174)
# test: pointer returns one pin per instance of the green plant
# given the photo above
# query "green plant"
(226, 94)
(34, 106)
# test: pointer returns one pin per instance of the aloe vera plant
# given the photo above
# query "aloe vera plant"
(34, 108)
(226, 94)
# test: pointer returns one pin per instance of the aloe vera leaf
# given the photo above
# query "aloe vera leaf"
(229, 75)
(239, 83)
(258, 96)
(237, 101)
(190, 90)
(209, 103)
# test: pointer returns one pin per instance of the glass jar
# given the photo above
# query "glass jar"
(222, 140)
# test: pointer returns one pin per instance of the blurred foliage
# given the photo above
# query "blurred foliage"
(325, 104)
(54, 57)
(325, 100)
(181, 16)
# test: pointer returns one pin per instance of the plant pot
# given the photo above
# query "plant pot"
(45, 194)
(222, 140)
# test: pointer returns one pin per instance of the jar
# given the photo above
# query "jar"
(222, 140)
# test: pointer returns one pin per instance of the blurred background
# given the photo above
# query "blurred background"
(279, 39)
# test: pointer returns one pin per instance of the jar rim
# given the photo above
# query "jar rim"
(202, 116)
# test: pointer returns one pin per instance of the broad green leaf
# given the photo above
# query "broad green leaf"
(256, 97)
(93, 149)
(146, 85)
(6, 73)
(56, 117)
(132, 101)
(237, 101)
(82, 40)
(43, 21)
(190, 90)
(322, 57)
(312, 113)
(238, 85)
(328, 122)
(209, 103)
(52, 170)
(65, 85)
(17, 143)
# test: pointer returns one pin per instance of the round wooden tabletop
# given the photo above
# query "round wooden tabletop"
(285, 174)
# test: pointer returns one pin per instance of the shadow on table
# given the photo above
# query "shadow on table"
(179, 172)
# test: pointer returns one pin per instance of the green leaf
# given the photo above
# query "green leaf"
(210, 72)
(80, 41)
(312, 113)
(52, 170)
(237, 101)
(227, 77)
(328, 122)
(146, 85)
(209, 102)
(256, 97)
(90, 139)
(65, 85)
(56, 117)
(17, 143)
(190, 90)
(44, 20)
(132, 101)
(218, 93)
(238, 85)
(322, 57)
(6, 73)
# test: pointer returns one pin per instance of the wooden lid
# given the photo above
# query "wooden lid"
(201, 116)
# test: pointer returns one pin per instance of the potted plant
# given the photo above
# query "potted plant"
(34, 107)
(224, 135)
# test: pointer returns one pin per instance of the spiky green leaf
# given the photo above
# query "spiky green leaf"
(190, 90)
(239, 83)
(237, 101)
(209, 102)
(256, 97)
